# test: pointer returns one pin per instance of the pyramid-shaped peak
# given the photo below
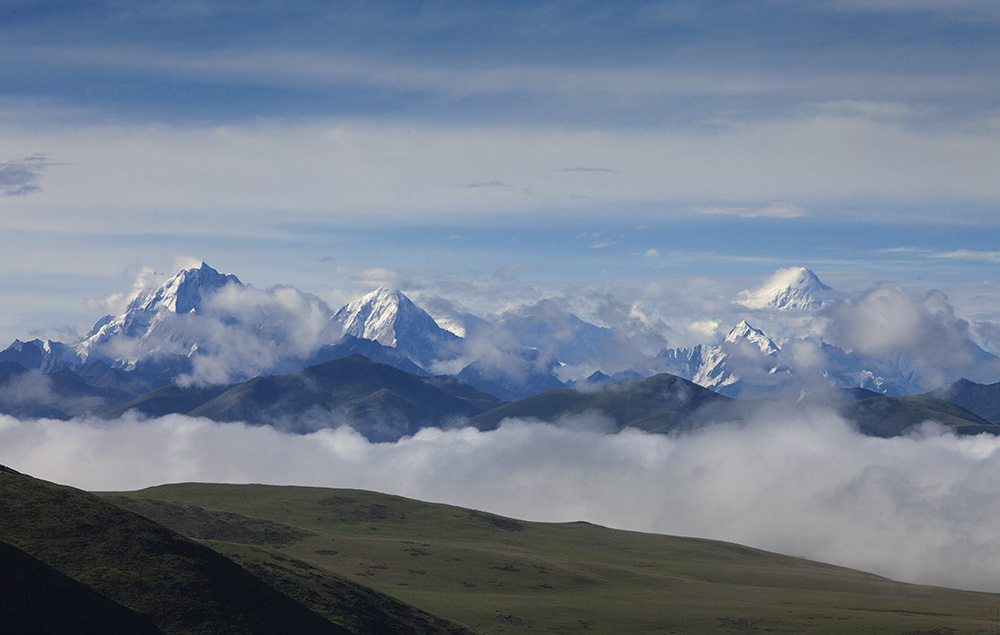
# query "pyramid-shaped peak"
(796, 277)
(385, 294)
(384, 301)
(793, 288)
(184, 291)
(744, 332)
(380, 314)
(388, 317)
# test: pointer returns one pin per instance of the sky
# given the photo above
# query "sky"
(486, 153)
(329, 145)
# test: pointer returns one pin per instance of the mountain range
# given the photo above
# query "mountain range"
(202, 343)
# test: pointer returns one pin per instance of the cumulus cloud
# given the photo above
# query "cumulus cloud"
(919, 508)
(244, 331)
(922, 334)
(116, 303)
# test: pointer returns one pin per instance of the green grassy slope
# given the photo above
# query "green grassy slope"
(182, 585)
(37, 599)
(247, 540)
(891, 416)
(981, 399)
(499, 575)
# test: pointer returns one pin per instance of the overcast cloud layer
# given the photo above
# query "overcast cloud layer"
(921, 508)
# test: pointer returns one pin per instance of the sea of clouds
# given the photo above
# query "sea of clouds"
(920, 508)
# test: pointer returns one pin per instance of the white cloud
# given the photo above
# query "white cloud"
(971, 254)
(163, 178)
(918, 508)
(777, 209)
(919, 335)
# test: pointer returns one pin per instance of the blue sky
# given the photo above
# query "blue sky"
(330, 145)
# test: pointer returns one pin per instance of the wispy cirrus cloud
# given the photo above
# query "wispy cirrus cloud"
(586, 169)
(776, 209)
(970, 254)
(493, 183)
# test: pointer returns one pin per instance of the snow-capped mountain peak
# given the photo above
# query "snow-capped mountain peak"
(390, 318)
(743, 332)
(374, 315)
(791, 289)
(183, 292)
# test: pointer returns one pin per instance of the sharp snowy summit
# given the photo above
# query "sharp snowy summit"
(156, 320)
(390, 318)
(791, 289)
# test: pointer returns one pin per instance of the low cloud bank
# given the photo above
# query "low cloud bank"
(922, 508)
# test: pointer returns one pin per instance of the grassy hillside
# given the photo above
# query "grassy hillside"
(93, 562)
(37, 599)
(499, 575)
(981, 399)
(890, 416)
(182, 585)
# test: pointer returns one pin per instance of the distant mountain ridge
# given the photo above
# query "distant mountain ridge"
(662, 403)
(201, 326)
(982, 399)
(379, 401)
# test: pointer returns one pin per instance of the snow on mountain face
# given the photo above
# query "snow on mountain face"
(551, 329)
(743, 332)
(184, 292)
(148, 312)
(745, 354)
(791, 289)
(392, 319)
(44, 355)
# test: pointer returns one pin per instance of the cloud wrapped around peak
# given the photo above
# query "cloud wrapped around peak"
(234, 333)
(921, 334)
(247, 331)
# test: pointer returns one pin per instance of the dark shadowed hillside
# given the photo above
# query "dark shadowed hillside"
(183, 586)
(891, 416)
(380, 401)
(981, 399)
(661, 403)
(37, 599)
